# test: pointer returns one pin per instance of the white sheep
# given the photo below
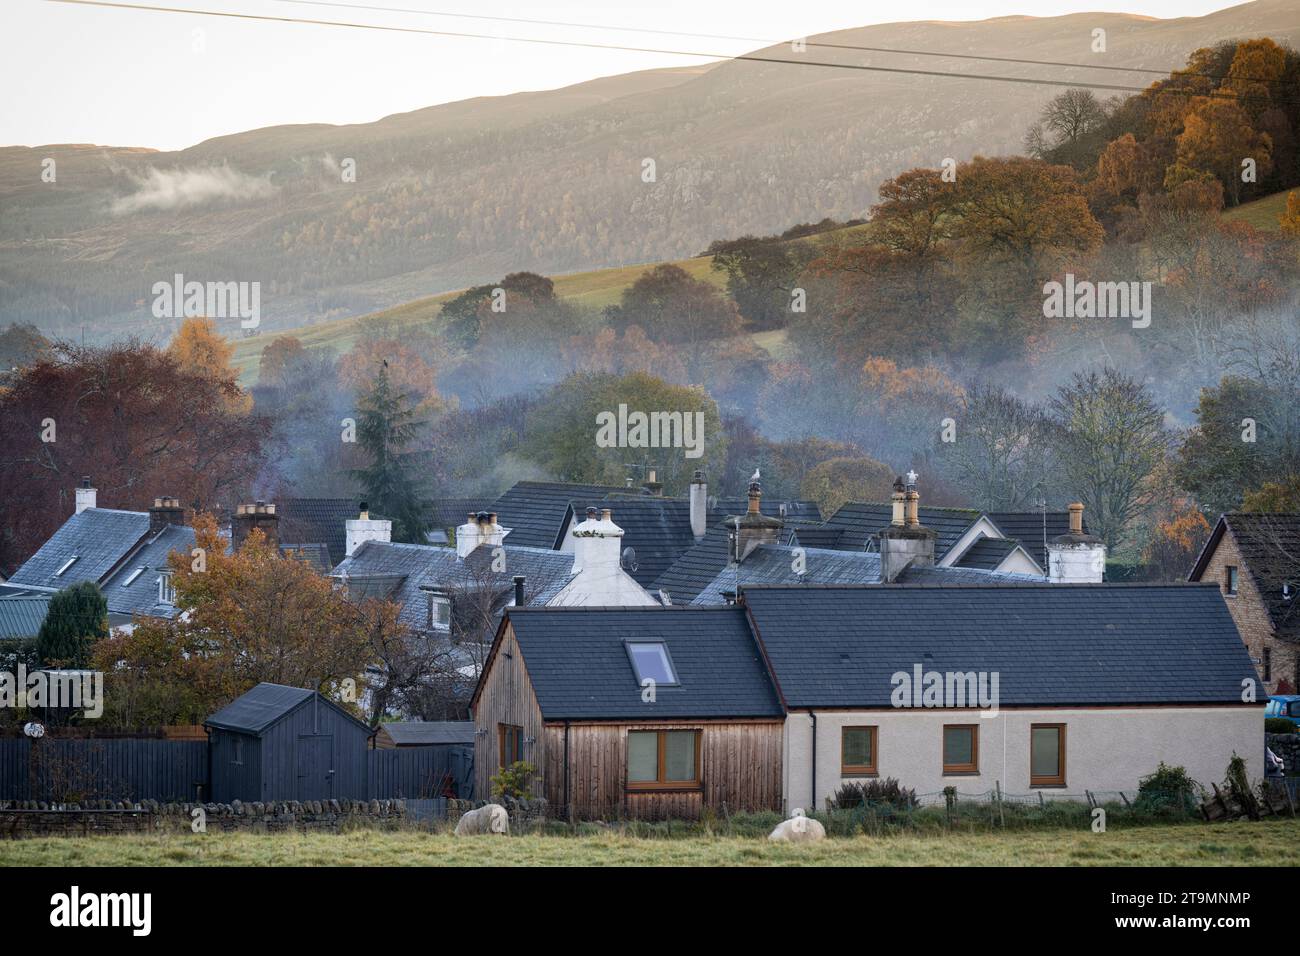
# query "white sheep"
(798, 829)
(491, 818)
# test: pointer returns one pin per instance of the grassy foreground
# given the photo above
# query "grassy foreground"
(1271, 843)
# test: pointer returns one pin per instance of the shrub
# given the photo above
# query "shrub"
(1278, 725)
(874, 793)
(512, 781)
(1168, 792)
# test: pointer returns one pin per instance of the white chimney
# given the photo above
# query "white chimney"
(599, 579)
(363, 529)
(597, 544)
(1075, 557)
(699, 506)
(480, 529)
(85, 495)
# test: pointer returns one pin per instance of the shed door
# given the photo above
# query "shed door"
(316, 768)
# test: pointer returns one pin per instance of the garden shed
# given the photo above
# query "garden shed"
(286, 743)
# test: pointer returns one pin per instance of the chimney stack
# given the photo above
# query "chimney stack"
(480, 528)
(519, 590)
(358, 531)
(753, 528)
(905, 543)
(653, 486)
(166, 510)
(85, 495)
(699, 505)
(260, 515)
(1076, 557)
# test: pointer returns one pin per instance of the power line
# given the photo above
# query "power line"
(751, 58)
(766, 41)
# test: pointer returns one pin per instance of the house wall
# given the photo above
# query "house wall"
(1250, 614)
(1106, 749)
(740, 770)
(507, 697)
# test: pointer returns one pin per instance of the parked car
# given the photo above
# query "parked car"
(1286, 706)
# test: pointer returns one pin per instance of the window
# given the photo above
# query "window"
(1230, 579)
(166, 590)
(64, 567)
(439, 611)
(857, 751)
(1047, 755)
(663, 759)
(1268, 664)
(238, 757)
(130, 578)
(511, 740)
(650, 661)
(961, 748)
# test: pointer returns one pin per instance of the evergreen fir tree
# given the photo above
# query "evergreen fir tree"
(78, 616)
(393, 485)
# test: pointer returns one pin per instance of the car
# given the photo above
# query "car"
(1286, 706)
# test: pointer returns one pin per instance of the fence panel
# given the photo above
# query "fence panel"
(420, 772)
(71, 771)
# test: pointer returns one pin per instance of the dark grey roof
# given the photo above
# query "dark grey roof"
(860, 521)
(818, 536)
(452, 512)
(1027, 528)
(22, 617)
(317, 521)
(141, 595)
(987, 553)
(578, 663)
(1050, 644)
(1269, 545)
(259, 708)
(691, 573)
(535, 511)
(399, 571)
(417, 733)
(315, 554)
(98, 537)
(775, 564)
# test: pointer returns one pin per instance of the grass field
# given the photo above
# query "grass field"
(1272, 843)
(1262, 213)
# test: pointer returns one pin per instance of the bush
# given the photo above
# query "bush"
(1169, 792)
(512, 781)
(874, 793)
(1278, 725)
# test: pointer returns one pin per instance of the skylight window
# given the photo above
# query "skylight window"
(650, 661)
(66, 564)
(130, 578)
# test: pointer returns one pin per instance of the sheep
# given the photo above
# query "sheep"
(491, 819)
(798, 829)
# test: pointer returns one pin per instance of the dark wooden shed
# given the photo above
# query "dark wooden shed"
(286, 743)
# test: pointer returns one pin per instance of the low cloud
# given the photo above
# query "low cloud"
(179, 188)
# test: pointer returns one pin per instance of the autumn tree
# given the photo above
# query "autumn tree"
(1218, 137)
(1110, 438)
(393, 480)
(836, 481)
(1172, 548)
(674, 307)
(200, 350)
(277, 357)
(1289, 221)
(761, 276)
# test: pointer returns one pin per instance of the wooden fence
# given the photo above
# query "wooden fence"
(133, 768)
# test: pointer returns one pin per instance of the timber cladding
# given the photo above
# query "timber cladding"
(506, 700)
(739, 770)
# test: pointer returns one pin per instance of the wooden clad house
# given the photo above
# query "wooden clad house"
(631, 712)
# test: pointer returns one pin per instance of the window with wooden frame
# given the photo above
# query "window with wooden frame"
(1047, 755)
(1230, 579)
(858, 751)
(961, 748)
(510, 740)
(663, 759)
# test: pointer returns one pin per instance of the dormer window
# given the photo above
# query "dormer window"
(130, 578)
(166, 589)
(438, 611)
(66, 564)
(650, 661)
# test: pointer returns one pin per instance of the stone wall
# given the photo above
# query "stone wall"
(1286, 746)
(32, 818)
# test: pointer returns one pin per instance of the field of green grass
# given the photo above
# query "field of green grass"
(1270, 843)
(1262, 213)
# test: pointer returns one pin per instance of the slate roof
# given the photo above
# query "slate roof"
(774, 564)
(398, 571)
(22, 617)
(452, 512)
(259, 708)
(535, 510)
(1269, 545)
(1027, 528)
(424, 733)
(578, 663)
(658, 529)
(818, 536)
(99, 537)
(141, 595)
(987, 553)
(691, 573)
(861, 521)
(317, 521)
(1051, 644)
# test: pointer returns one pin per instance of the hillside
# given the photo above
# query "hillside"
(1262, 213)
(549, 182)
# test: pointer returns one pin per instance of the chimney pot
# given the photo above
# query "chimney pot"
(257, 515)
(85, 495)
(1076, 518)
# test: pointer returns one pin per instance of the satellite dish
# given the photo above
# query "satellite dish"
(629, 559)
(33, 729)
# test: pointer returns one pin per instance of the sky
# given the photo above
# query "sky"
(81, 74)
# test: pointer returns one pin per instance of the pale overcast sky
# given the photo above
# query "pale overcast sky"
(80, 74)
